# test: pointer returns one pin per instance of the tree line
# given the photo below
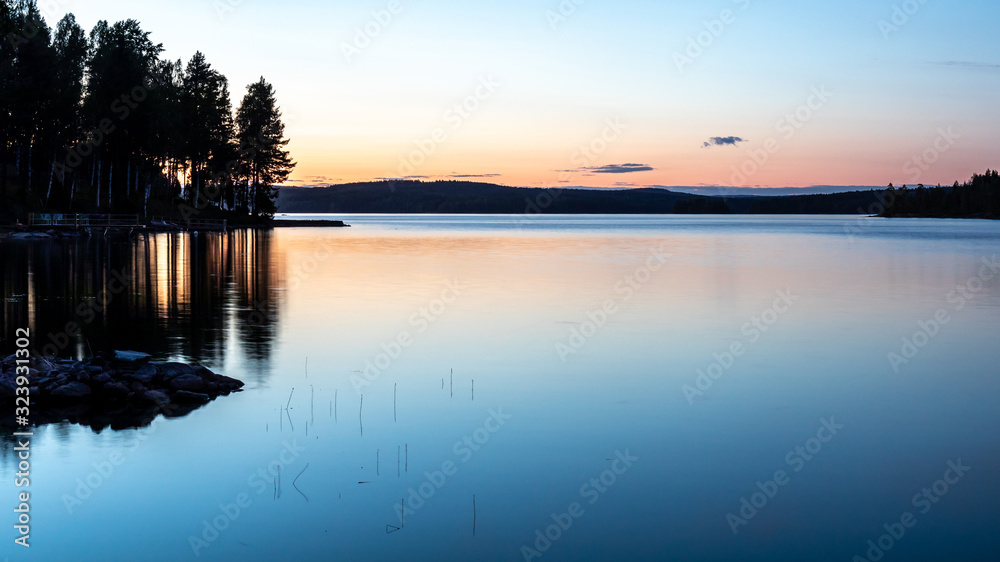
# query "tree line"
(99, 122)
(977, 198)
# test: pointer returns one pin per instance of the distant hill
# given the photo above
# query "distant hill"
(447, 197)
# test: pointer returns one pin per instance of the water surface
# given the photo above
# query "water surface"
(591, 338)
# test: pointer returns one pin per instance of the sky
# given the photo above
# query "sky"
(629, 93)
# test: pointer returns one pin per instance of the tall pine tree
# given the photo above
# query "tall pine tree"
(261, 135)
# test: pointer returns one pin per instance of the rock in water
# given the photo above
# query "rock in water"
(72, 392)
(185, 397)
(157, 397)
(130, 359)
(191, 383)
(106, 387)
(144, 374)
(115, 391)
(173, 370)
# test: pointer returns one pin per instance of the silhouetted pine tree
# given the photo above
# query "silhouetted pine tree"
(261, 135)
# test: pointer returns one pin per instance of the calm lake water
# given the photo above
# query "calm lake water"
(559, 388)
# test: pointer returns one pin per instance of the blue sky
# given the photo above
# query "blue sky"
(560, 80)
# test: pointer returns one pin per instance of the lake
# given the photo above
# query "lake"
(708, 388)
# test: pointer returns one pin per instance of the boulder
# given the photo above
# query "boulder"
(72, 392)
(185, 397)
(232, 383)
(48, 382)
(157, 397)
(144, 374)
(115, 391)
(173, 370)
(130, 359)
(192, 383)
(100, 379)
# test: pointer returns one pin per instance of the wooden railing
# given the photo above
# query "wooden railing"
(79, 220)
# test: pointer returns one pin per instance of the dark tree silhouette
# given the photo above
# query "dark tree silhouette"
(207, 124)
(70, 45)
(99, 122)
(262, 141)
(977, 198)
(8, 30)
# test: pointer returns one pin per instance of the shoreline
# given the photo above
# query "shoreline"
(45, 232)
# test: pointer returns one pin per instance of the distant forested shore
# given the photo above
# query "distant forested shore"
(977, 198)
(98, 122)
(411, 196)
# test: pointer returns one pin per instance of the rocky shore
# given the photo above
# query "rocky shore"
(123, 389)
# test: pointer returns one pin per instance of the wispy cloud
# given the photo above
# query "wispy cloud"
(968, 64)
(619, 168)
(474, 176)
(722, 141)
(314, 181)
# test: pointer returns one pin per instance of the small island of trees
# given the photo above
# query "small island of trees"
(100, 123)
